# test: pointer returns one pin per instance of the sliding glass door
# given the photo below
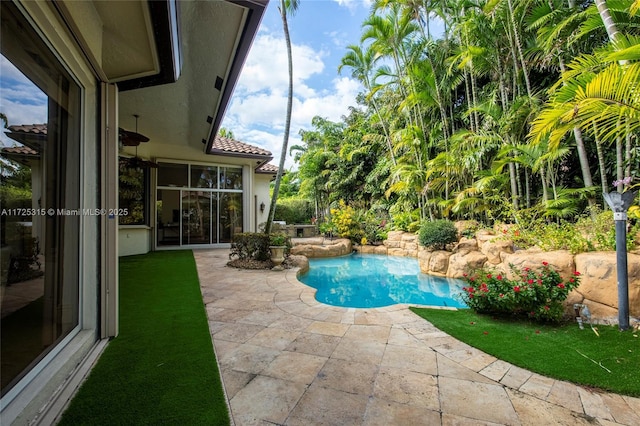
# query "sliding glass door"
(198, 205)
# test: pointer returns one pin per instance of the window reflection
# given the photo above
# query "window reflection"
(39, 243)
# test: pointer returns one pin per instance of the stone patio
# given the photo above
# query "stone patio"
(287, 359)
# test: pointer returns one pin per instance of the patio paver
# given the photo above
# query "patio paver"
(287, 359)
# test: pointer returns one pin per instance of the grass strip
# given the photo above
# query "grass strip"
(609, 361)
(161, 369)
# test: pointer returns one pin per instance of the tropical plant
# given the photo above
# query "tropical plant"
(286, 7)
(537, 294)
(437, 234)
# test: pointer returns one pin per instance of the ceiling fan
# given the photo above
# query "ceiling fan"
(129, 138)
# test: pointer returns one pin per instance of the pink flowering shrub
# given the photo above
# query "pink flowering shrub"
(535, 293)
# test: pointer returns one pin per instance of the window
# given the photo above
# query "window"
(170, 174)
(133, 193)
(40, 232)
(208, 211)
(204, 176)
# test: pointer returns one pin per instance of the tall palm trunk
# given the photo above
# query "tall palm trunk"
(609, 24)
(285, 6)
(619, 163)
(516, 34)
(601, 163)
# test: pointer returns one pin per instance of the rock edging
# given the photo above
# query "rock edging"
(598, 286)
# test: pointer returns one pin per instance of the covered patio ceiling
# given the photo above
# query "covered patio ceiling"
(214, 39)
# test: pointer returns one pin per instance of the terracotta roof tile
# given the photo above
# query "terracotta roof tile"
(268, 169)
(232, 146)
(20, 150)
(29, 128)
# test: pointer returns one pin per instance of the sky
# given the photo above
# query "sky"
(320, 32)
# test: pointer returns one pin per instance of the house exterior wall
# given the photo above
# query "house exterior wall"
(24, 402)
(135, 240)
(262, 183)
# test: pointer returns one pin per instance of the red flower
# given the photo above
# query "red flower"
(571, 280)
(516, 289)
(561, 285)
(499, 277)
(530, 281)
(464, 275)
(576, 273)
(545, 263)
(527, 269)
(501, 295)
(489, 276)
(546, 308)
(485, 332)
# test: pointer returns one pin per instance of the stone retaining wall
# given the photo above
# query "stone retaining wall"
(321, 247)
(598, 285)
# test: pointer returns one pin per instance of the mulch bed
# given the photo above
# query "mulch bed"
(256, 264)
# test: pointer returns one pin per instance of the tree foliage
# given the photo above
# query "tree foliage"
(518, 106)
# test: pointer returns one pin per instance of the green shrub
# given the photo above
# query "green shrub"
(374, 227)
(586, 234)
(536, 294)
(250, 246)
(437, 234)
(294, 211)
(347, 222)
(278, 239)
(406, 221)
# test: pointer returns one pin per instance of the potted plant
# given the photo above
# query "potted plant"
(277, 246)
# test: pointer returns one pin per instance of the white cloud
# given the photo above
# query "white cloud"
(353, 4)
(257, 111)
(267, 66)
(20, 100)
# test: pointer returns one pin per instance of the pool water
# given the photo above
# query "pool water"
(372, 281)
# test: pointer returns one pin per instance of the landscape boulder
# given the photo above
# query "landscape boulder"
(328, 248)
(465, 262)
(439, 262)
(560, 260)
(495, 247)
(599, 279)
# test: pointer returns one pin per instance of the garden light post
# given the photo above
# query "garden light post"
(620, 203)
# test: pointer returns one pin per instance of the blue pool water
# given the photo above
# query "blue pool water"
(372, 281)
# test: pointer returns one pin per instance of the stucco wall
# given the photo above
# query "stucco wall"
(134, 240)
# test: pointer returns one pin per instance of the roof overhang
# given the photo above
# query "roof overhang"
(131, 42)
(215, 37)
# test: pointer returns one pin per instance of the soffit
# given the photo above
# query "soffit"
(117, 37)
(178, 113)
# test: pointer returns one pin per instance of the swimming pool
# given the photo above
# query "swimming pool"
(373, 281)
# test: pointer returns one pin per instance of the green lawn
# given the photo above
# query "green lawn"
(161, 369)
(610, 361)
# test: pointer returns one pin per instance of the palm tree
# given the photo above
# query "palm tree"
(361, 62)
(598, 90)
(285, 7)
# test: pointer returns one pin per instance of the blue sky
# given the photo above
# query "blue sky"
(320, 32)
